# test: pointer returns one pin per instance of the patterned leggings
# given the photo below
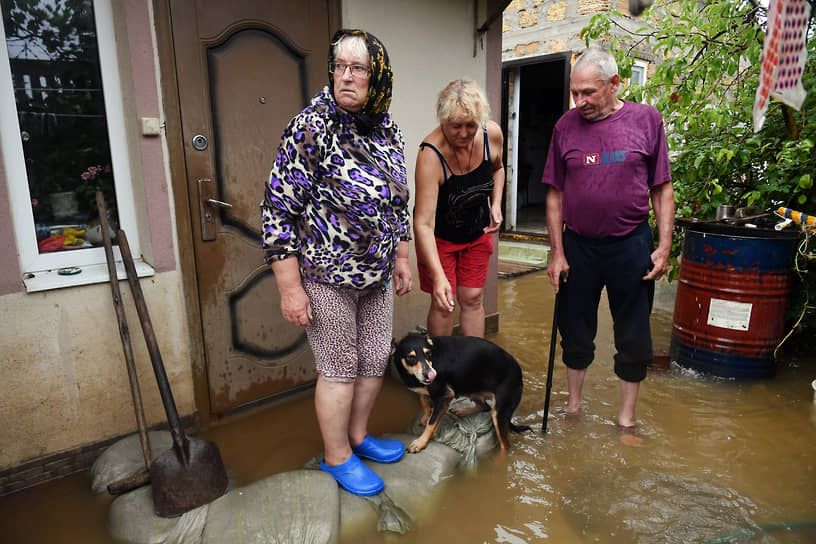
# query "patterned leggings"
(350, 333)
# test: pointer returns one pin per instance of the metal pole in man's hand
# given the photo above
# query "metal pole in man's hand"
(553, 337)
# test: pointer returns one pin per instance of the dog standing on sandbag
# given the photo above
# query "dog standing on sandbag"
(439, 368)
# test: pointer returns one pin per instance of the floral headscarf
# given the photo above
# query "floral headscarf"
(379, 85)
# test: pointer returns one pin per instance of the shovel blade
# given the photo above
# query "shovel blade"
(187, 476)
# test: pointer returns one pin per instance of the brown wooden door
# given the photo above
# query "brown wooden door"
(244, 68)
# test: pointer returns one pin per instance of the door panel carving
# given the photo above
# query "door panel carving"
(244, 68)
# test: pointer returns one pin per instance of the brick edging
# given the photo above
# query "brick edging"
(57, 465)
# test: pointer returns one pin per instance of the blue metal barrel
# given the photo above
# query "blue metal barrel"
(732, 295)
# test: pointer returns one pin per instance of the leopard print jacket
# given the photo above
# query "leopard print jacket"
(337, 200)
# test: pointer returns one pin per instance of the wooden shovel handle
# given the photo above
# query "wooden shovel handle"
(179, 440)
(124, 331)
(134, 481)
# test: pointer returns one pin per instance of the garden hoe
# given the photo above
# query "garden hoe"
(191, 473)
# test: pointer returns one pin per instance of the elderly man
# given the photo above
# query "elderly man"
(607, 160)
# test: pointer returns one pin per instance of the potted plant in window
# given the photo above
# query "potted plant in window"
(97, 178)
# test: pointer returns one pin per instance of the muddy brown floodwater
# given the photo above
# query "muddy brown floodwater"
(720, 460)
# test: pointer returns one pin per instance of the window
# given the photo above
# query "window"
(63, 138)
(638, 76)
(638, 73)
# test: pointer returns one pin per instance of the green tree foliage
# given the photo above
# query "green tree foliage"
(59, 30)
(704, 85)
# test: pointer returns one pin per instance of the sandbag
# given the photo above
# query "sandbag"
(296, 507)
(124, 458)
(131, 519)
(472, 436)
(411, 488)
(304, 505)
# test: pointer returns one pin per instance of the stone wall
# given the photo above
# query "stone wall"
(532, 28)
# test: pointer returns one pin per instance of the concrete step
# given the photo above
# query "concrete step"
(532, 253)
(516, 258)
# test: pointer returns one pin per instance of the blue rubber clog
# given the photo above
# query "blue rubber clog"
(381, 450)
(355, 477)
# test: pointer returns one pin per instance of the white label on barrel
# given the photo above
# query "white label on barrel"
(729, 314)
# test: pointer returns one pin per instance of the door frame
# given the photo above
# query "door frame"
(179, 183)
(511, 120)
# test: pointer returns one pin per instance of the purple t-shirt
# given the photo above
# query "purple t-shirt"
(606, 168)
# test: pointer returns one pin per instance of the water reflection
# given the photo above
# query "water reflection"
(720, 461)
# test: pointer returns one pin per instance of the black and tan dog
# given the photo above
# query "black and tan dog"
(440, 368)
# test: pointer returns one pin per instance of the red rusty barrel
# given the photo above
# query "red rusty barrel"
(732, 295)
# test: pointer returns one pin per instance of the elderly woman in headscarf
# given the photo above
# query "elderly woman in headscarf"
(336, 230)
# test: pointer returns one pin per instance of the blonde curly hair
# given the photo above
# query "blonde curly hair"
(462, 99)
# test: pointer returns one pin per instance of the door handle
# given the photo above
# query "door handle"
(206, 202)
(219, 203)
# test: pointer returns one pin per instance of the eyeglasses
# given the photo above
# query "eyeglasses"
(357, 70)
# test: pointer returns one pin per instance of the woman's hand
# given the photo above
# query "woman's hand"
(496, 142)
(495, 218)
(295, 305)
(403, 280)
(442, 295)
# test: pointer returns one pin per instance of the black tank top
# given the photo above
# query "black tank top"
(463, 204)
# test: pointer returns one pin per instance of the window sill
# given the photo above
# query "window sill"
(87, 275)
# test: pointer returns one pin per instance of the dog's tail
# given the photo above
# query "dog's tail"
(519, 428)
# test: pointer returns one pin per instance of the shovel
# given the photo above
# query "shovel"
(553, 337)
(191, 473)
(141, 477)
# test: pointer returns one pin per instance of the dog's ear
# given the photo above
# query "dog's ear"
(393, 346)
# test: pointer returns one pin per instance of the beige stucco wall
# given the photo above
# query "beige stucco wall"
(65, 381)
(429, 43)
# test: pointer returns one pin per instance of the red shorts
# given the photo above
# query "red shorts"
(464, 264)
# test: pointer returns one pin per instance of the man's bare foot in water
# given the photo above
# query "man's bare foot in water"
(629, 436)
(573, 407)
(626, 417)
(564, 420)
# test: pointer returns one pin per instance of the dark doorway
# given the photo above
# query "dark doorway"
(543, 96)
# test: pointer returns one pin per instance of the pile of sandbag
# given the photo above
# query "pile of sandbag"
(304, 505)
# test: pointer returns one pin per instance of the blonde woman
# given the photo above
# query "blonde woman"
(459, 183)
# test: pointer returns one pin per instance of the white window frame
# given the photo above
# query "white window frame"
(41, 270)
(641, 66)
